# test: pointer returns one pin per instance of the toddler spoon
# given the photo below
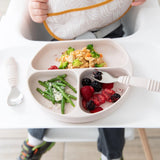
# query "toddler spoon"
(151, 85)
(15, 97)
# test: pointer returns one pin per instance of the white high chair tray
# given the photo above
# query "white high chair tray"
(141, 109)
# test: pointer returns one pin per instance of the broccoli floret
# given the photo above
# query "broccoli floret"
(90, 47)
(70, 49)
(93, 53)
(99, 65)
(77, 63)
(63, 65)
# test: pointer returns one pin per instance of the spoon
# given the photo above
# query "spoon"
(151, 85)
(15, 97)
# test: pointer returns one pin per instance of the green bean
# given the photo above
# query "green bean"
(46, 92)
(56, 79)
(45, 95)
(65, 82)
(71, 96)
(64, 94)
(49, 90)
(60, 84)
(62, 105)
(43, 84)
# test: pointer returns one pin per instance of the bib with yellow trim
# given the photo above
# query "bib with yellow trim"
(68, 19)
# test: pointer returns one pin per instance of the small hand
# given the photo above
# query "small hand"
(38, 10)
(138, 2)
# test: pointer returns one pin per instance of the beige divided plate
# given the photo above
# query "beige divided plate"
(118, 63)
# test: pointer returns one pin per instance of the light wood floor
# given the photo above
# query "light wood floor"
(11, 140)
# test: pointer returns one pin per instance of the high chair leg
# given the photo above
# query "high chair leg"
(145, 144)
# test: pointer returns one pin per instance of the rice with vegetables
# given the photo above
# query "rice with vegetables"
(87, 57)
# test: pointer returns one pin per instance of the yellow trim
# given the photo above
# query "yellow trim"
(50, 32)
(60, 39)
(80, 9)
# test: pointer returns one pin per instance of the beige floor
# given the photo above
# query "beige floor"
(11, 140)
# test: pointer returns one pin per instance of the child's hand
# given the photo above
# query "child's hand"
(138, 2)
(38, 10)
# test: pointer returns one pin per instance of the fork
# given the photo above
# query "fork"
(150, 85)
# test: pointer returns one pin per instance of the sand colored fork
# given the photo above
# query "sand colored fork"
(151, 85)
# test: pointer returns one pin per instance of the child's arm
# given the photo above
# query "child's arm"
(138, 2)
(38, 10)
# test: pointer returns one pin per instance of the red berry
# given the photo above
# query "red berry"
(87, 92)
(52, 67)
(97, 109)
(84, 104)
(107, 93)
(96, 100)
(101, 98)
(107, 85)
(92, 89)
(107, 97)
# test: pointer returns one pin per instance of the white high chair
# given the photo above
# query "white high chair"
(25, 32)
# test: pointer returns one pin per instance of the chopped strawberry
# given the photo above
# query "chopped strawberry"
(92, 89)
(101, 98)
(97, 109)
(87, 92)
(107, 85)
(107, 97)
(96, 100)
(52, 67)
(84, 104)
(107, 93)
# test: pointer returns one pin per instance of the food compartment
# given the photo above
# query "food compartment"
(113, 54)
(40, 80)
(96, 97)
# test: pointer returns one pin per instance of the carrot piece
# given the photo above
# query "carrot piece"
(88, 55)
(101, 55)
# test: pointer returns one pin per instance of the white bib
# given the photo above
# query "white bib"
(68, 19)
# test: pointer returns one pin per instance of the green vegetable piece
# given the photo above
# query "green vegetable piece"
(77, 63)
(56, 79)
(63, 65)
(60, 84)
(90, 47)
(47, 92)
(43, 84)
(64, 94)
(70, 49)
(46, 95)
(63, 105)
(72, 97)
(65, 82)
(93, 53)
(100, 65)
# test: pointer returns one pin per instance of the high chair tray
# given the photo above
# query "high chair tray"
(139, 108)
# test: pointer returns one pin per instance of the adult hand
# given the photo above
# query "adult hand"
(38, 10)
(138, 2)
